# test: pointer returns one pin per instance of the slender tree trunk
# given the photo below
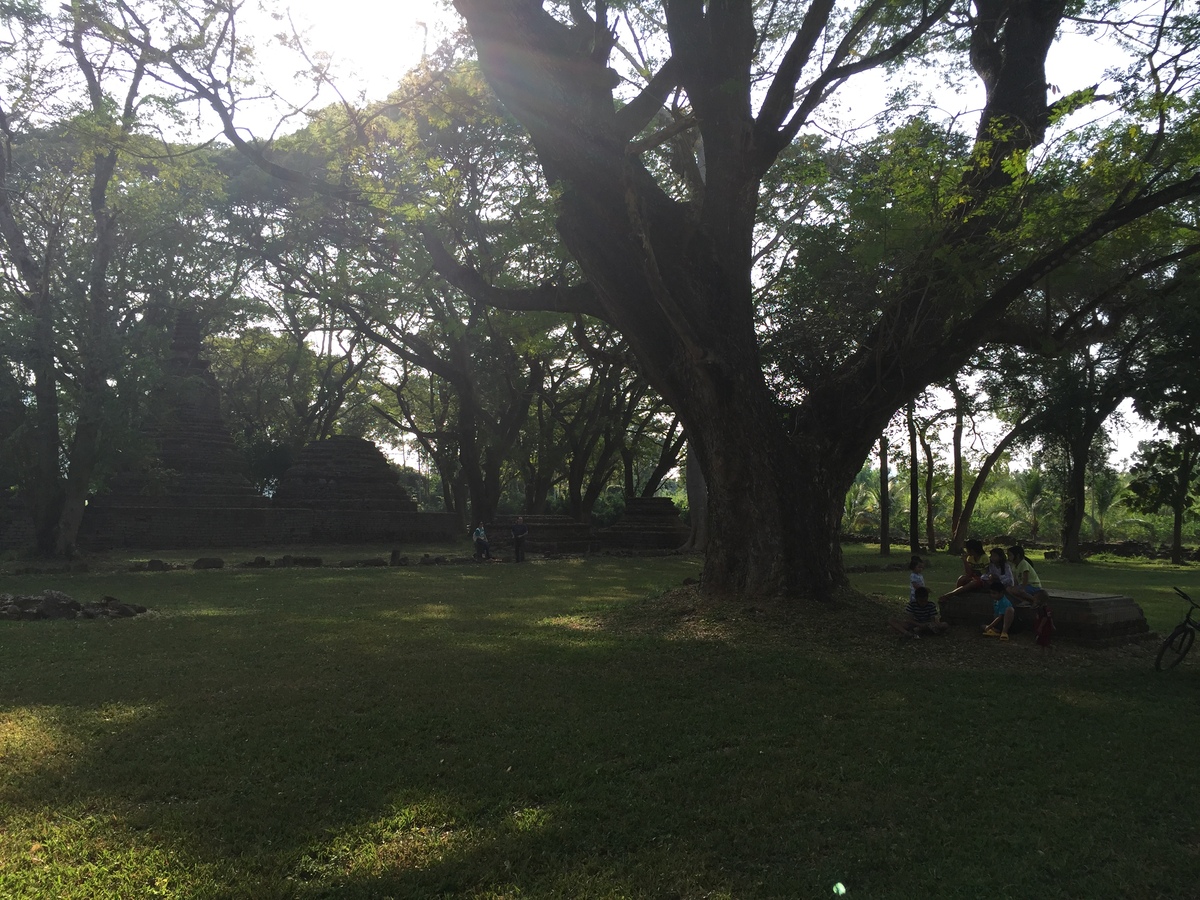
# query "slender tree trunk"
(930, 535)
(914, 483)
(630, 483)
(955, 547)
(1075, 499)
(46, 495)
(1177, 508)
(962, 530)
(885, 500)
(1180, 506)
(459, 499)
(85, 451)
(598, 481)
(668, 459)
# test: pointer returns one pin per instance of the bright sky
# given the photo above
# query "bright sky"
(372, 42)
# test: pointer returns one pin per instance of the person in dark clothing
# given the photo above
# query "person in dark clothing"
(519, 530)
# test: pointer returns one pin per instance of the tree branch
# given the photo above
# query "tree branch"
(772, 136)
(640, 112)
(548, 297)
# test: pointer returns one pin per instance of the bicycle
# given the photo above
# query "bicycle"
(1180, 641)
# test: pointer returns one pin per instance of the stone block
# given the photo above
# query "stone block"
(1096, 620)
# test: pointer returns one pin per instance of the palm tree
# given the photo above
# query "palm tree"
(862, 508)
(1031, 501)
(1106, 488)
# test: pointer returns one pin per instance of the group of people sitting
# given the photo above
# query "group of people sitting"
(1007, 576)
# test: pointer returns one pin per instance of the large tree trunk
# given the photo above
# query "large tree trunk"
(676, 277)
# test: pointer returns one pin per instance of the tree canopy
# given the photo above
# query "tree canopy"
(674, 183)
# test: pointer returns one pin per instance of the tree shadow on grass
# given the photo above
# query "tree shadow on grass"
(411, 748)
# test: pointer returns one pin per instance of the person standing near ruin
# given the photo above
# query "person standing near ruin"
(519, 531)
(482, 550)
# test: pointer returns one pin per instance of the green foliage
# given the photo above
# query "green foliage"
(1164, 473)
(848, 224)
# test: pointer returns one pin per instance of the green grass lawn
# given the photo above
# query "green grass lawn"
(562, 730)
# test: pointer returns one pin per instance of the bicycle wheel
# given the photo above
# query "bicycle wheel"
(1175, 648)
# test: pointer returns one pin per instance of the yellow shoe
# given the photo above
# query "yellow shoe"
(992, 632)
(1004, 636)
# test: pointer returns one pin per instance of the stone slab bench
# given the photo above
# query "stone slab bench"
(1094, 620)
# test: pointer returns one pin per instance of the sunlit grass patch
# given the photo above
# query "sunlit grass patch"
(30, 738)
(572, 622)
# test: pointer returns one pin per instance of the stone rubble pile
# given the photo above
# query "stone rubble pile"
(57, 605)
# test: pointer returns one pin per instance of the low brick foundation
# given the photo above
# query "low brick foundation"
(1094, 620)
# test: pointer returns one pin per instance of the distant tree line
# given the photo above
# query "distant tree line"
(570, 251)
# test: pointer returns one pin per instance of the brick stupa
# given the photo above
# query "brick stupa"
(194, 462)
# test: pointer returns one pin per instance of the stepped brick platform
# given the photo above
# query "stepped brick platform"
(547, 534)
(649, 523)
(339, 472)
(352, 494)
(1094, 620)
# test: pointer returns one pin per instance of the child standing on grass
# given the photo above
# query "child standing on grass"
(921, 616)
(1043, 631)
(1002, 609)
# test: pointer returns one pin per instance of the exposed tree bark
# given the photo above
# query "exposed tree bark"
(697, 492)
